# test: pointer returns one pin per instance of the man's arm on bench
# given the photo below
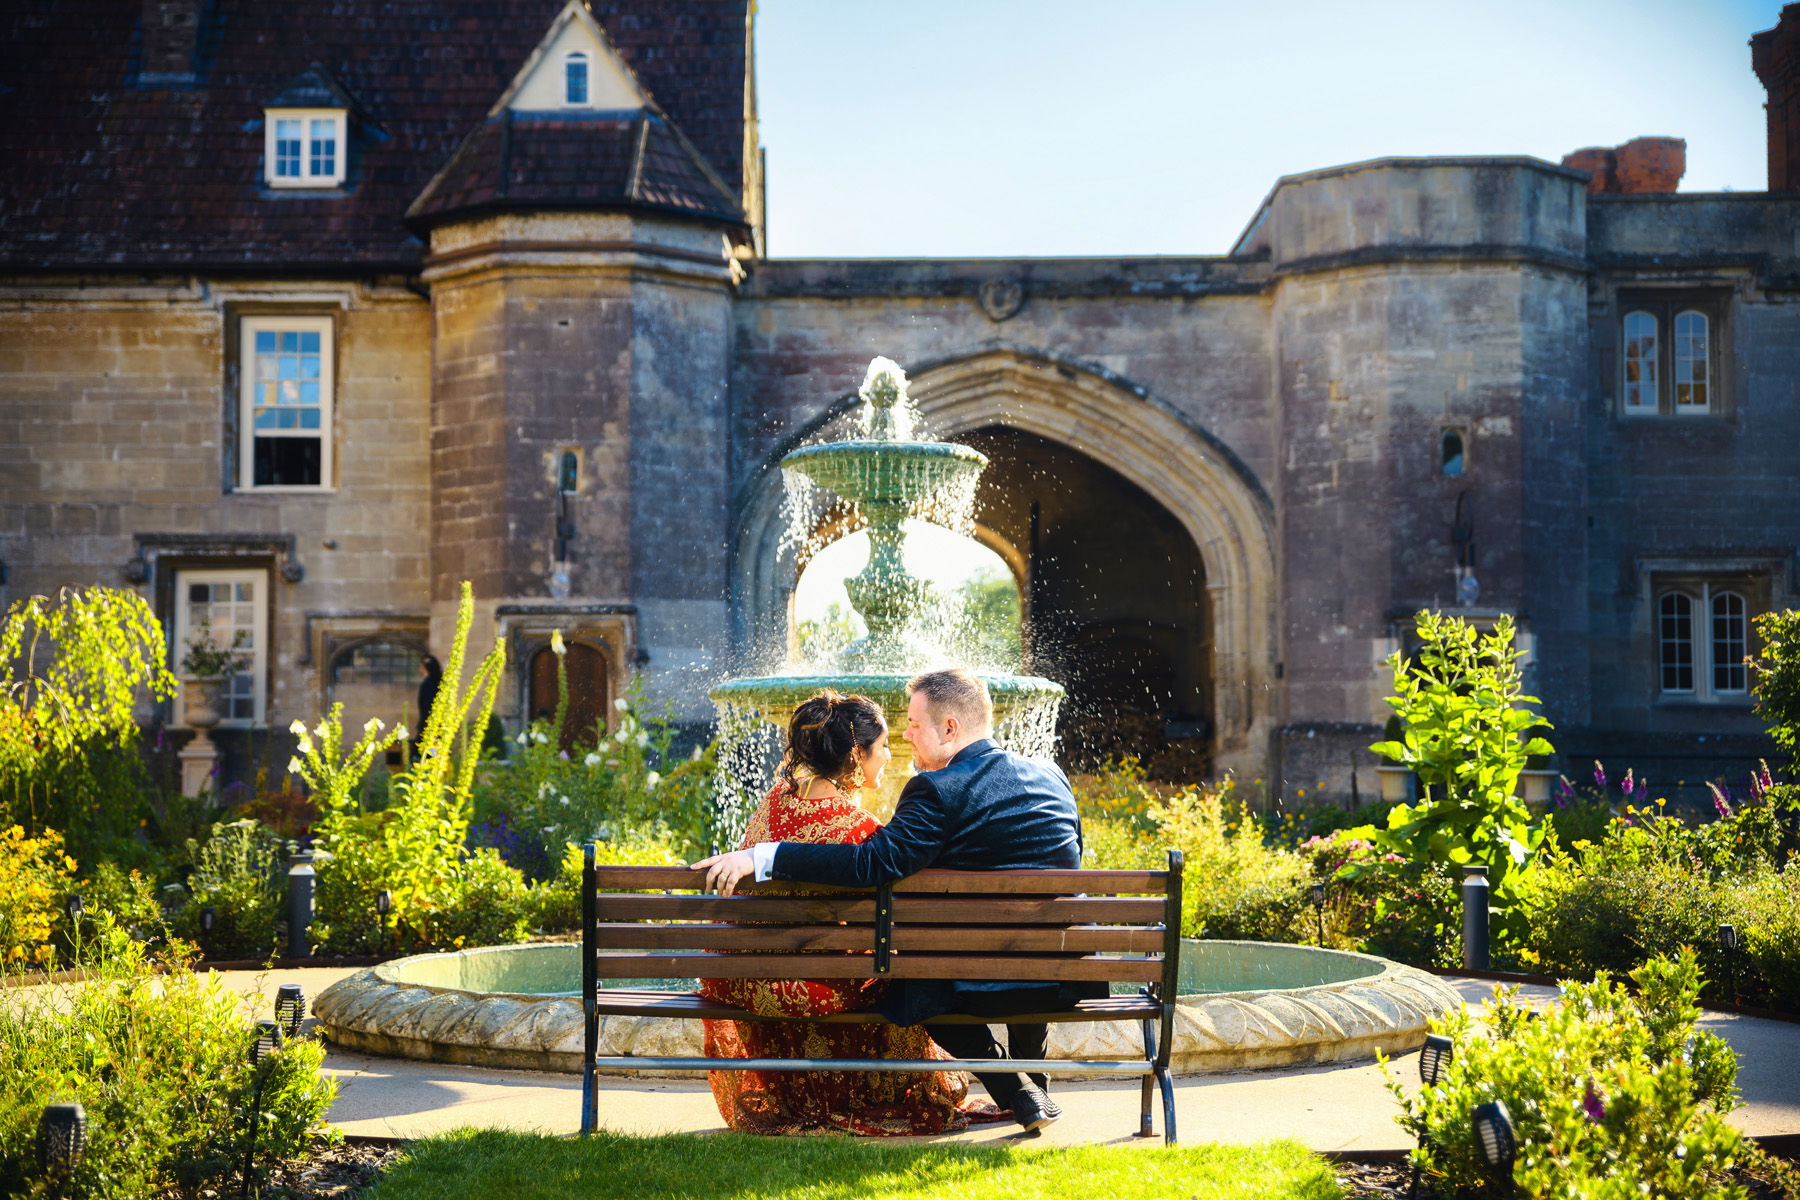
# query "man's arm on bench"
(904, 846)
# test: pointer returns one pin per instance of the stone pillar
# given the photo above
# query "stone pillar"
(605, 335)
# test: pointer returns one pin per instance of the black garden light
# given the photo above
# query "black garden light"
(209, 916)
(75, 906)
(266, 1046)
(1435, 1058)
(1494, 1134)
(1318, 899)
(62, 1136)
(290, 1008)
(1434, 1061)
(1728, 942)
(384, 900)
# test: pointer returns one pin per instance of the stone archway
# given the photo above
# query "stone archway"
(1090, 410)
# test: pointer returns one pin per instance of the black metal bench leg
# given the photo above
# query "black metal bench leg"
(1145, 1128)
(1168, 1091)
(589, 1101)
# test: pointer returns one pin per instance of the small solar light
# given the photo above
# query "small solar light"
(1318, 899)
(268, 1041)
(62, 1136)
(1728, 937)
(1494, 1133)
(1435, 1058)
(1728, 942)
(75, 906)
(209, 916)
(290, 1007)
(384, 900)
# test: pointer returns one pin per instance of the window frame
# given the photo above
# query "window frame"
(587, 83)
(248, 328)
(1701, 593)
(1666, 309)
(307, 177)
(181, 629)
(1625, 361)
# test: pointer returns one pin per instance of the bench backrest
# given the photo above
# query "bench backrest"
(1114, 926)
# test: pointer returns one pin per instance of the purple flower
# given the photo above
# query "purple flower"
(563, 754)
(1599, 775)
(1721, 800)
(1592, 1105)
(1626, 784)
(1763, 778)
(1565, 792)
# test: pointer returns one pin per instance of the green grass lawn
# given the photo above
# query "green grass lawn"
(520, 1166)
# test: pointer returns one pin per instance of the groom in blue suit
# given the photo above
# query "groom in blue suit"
(973, 807)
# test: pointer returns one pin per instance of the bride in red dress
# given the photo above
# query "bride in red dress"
(836, 745)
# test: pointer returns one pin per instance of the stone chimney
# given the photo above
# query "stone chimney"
(1646, 164)
(171, 37)
(1775, 57)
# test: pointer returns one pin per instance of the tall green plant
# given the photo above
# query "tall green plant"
(72, 669)
(1463, 711)
(415, 848)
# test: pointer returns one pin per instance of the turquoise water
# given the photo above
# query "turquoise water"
(1206, 967)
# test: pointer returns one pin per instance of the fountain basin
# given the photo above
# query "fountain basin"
(1242, 1005)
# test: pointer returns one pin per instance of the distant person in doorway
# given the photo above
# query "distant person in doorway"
(433, 672)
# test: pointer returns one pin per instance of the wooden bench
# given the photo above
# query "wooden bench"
(1053, 925)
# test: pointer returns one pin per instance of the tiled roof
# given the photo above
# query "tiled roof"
(523, 160)
(95, 171)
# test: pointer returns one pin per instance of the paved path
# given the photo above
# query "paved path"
(1328, 1108)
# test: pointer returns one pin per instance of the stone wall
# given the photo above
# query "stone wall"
(114, 409)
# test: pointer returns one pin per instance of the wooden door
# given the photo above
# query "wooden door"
(587, 692)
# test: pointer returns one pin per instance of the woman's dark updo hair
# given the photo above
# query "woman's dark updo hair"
(824, 731)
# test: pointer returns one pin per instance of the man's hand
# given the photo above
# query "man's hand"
(724, 870)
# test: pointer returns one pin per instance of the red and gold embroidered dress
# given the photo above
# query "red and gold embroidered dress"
(792, 1102)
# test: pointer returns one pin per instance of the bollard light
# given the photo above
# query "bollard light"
(290, 1008)
(1728, 942)
(1475, 917)
(1435, 1058)
(1494, 1134)
(268, 1041)
(62, 1136)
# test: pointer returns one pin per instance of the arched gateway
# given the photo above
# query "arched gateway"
(1091, 411)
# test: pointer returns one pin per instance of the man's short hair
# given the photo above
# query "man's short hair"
(955, 693)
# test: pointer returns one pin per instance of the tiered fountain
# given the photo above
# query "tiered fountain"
(887, 476)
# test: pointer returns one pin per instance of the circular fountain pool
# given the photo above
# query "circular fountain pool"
(1241, 1004)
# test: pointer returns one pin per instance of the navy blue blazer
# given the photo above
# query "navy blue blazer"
(989, 810)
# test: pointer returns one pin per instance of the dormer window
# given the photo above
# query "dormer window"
(304, 147)
(575, 80)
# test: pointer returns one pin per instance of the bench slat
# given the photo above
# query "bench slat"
(1119, 939)
(631, 1002)
(861, 966)
(816, 910)
(1094, 883)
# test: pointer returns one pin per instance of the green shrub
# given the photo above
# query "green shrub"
(239, 872)
(492, 905)
(559, 899)
(1612, 1096)
(543, 797)
(72, 669)
(1463, 710)
(1233, 886)
(35, 877)
(157, 1056)
(1652, 883)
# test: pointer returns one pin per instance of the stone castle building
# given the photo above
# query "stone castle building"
(306, 318)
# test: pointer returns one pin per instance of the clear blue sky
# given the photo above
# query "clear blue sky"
(1042, 127)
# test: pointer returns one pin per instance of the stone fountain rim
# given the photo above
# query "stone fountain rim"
(1381, 969)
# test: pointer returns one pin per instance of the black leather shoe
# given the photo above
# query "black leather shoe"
(1032, 1109)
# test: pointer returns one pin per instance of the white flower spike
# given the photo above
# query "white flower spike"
(373, 727)
(592, 760)
(294, 767)
(298, 728)
(652, 779)
(621, 704)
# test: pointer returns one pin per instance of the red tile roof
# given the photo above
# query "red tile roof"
(95, 171)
